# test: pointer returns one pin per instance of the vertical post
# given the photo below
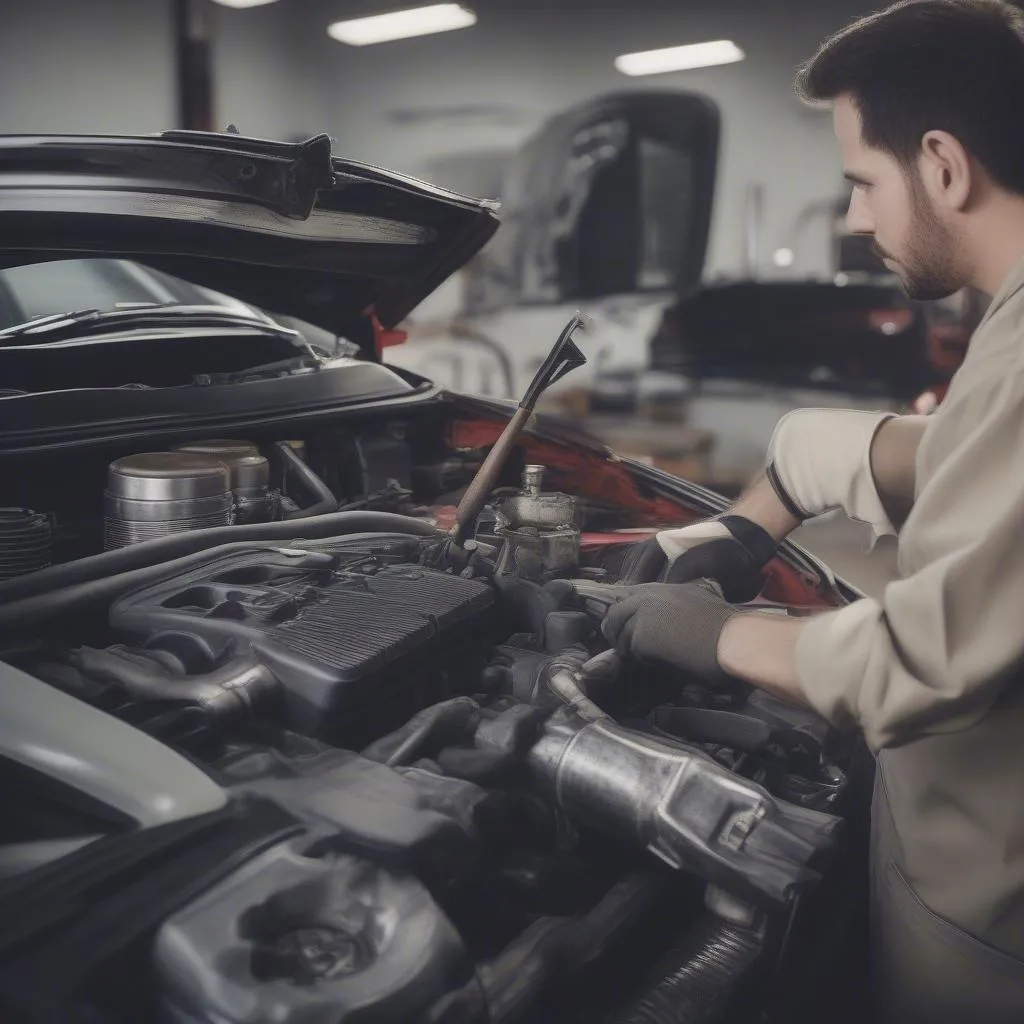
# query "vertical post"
(752, 215)
(193, 70)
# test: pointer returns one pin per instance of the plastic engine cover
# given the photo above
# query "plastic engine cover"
(332, 628)
(290, 939)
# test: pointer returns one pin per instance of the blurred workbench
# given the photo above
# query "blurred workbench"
(653, 434)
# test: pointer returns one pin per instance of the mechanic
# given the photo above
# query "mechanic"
(927, 99)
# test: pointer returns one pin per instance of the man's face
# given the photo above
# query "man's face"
(890, 204)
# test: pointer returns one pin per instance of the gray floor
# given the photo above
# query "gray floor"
(844, 547)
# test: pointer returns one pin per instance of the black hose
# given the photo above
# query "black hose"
(438, 724)
(238, 688)
(292, 465)
(82, 597)
(700, 977)
(152, 552)
(554, 948)
(564, 675)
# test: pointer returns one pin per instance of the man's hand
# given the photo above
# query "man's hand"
(676, 624)
(691, 627)
(731, 550)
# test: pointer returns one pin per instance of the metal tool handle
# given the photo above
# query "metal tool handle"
(487, 476)
(563, 358)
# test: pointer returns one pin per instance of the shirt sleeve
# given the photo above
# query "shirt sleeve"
(934, 652)
(820, 459)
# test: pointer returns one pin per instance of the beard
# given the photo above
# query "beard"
(929, 268)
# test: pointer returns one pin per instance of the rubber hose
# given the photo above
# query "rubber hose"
(554, 948)
(80, 597)
(439, 724)
(700, 976)
(152, 552)
(237, 688)
(563, 677)
(294, 466)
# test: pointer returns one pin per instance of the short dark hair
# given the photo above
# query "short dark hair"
(924, 65)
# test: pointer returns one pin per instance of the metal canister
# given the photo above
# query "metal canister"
(249, 474)
(156, 494)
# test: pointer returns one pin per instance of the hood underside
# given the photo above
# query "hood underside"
(286, 227)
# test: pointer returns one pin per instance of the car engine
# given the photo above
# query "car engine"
(484, 803)
(354, 690)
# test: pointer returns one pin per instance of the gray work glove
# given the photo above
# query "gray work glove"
(675, 624)
(734, 561)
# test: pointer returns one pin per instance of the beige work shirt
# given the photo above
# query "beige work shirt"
(933, 673)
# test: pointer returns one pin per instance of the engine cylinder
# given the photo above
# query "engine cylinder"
(156, 494)
(25, 541)
(248, 472)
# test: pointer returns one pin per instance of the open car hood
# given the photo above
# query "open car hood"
(286, 227)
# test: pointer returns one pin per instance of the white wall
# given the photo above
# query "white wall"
(107, 66)
(86, 66)
(264, 81)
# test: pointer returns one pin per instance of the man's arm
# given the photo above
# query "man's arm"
(893, 459)
(760, 504)
(761, 650)
(822, 459)
(934, 653)
(861, 462)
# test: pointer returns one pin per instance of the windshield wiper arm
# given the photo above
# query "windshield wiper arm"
(47, 323)
(84, 321)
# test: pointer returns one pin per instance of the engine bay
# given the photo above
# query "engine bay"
(485, 802)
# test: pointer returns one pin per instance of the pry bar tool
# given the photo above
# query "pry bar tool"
(563, 358)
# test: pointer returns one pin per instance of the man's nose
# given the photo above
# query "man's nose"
(858, 218)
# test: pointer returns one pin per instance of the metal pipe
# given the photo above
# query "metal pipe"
(681, 806)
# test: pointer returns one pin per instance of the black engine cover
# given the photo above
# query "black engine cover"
(346, 636)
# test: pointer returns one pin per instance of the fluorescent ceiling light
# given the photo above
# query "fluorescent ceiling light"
(242, 3)
(416, 21)
(679, 58)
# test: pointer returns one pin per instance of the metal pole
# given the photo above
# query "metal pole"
(193, 66)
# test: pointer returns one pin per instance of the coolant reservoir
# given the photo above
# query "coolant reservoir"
(540, 532)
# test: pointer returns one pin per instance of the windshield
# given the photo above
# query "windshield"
(46, 289)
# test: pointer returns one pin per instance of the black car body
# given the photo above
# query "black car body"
(310, 761)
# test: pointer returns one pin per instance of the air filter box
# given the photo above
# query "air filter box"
(356, 643)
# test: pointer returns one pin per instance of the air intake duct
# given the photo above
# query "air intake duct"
(157, 494)
(25, 541)
(249, 475)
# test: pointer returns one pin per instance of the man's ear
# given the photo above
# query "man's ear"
(946, 170)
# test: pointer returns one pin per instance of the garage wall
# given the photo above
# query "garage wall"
(266, 79)
(449, 107)
(86, 66)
